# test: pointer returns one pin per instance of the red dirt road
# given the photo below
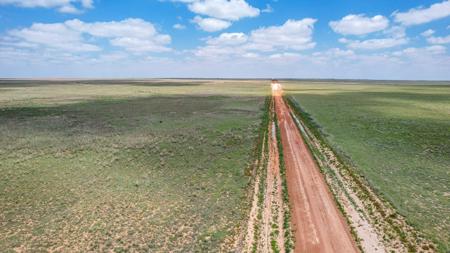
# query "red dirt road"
(317, 222)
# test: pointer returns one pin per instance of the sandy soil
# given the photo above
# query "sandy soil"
(264, 232)
(317, 222)
(247, 240)
(273, 202)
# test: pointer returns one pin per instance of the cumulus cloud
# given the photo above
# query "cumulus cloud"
(437, 50)
(394, 36)
(374, 44)
(293, 35)
(134, 35)
(220, 13)
(359, 24)
(64, 6)
(54, 36)
(422, 15)
(336, 52)
(211, 24)
(422, 52)
(427, 33)
(413, 63)
(228, 39)
(395, 32)
(439, 40)
(285, 56)
(179, 26)
(223, 9)
(139, 45)
(268, 9)
(226, 44)
(333, 56)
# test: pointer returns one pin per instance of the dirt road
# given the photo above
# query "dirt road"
(318, 224)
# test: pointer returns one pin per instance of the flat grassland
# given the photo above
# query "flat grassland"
(153, 166)
(397, 135)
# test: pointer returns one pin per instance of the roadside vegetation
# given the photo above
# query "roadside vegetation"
(268, 228)
(396, 136)
(287, 226)
(126, 165)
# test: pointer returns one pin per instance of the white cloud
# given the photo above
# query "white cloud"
(68, 9)
(223, 9)
(211, 24)
(228, 39)
(64, 6)
(87, 3)
(422, 52)
(422, 15)
(268, 9)
(219, 13)
(285, 57)
(250, 55)
(333, 56)
(217, 52)
(395, 36)
(336, 52)
(179, 26)
(439, 40)
(225, 45)
(54, 36)
(396, 32)
(139, 45)
(418, 63)
(134, 35)
(374, 44)
(427, 33)
(359, 24)
(293, 35)
(131, 27)
(437, 49)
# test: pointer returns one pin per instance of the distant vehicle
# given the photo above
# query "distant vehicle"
(276, 86)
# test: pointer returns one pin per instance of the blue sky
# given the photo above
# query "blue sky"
(382, 39)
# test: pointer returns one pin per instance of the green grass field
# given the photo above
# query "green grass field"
(397, 135)
(153, 166)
